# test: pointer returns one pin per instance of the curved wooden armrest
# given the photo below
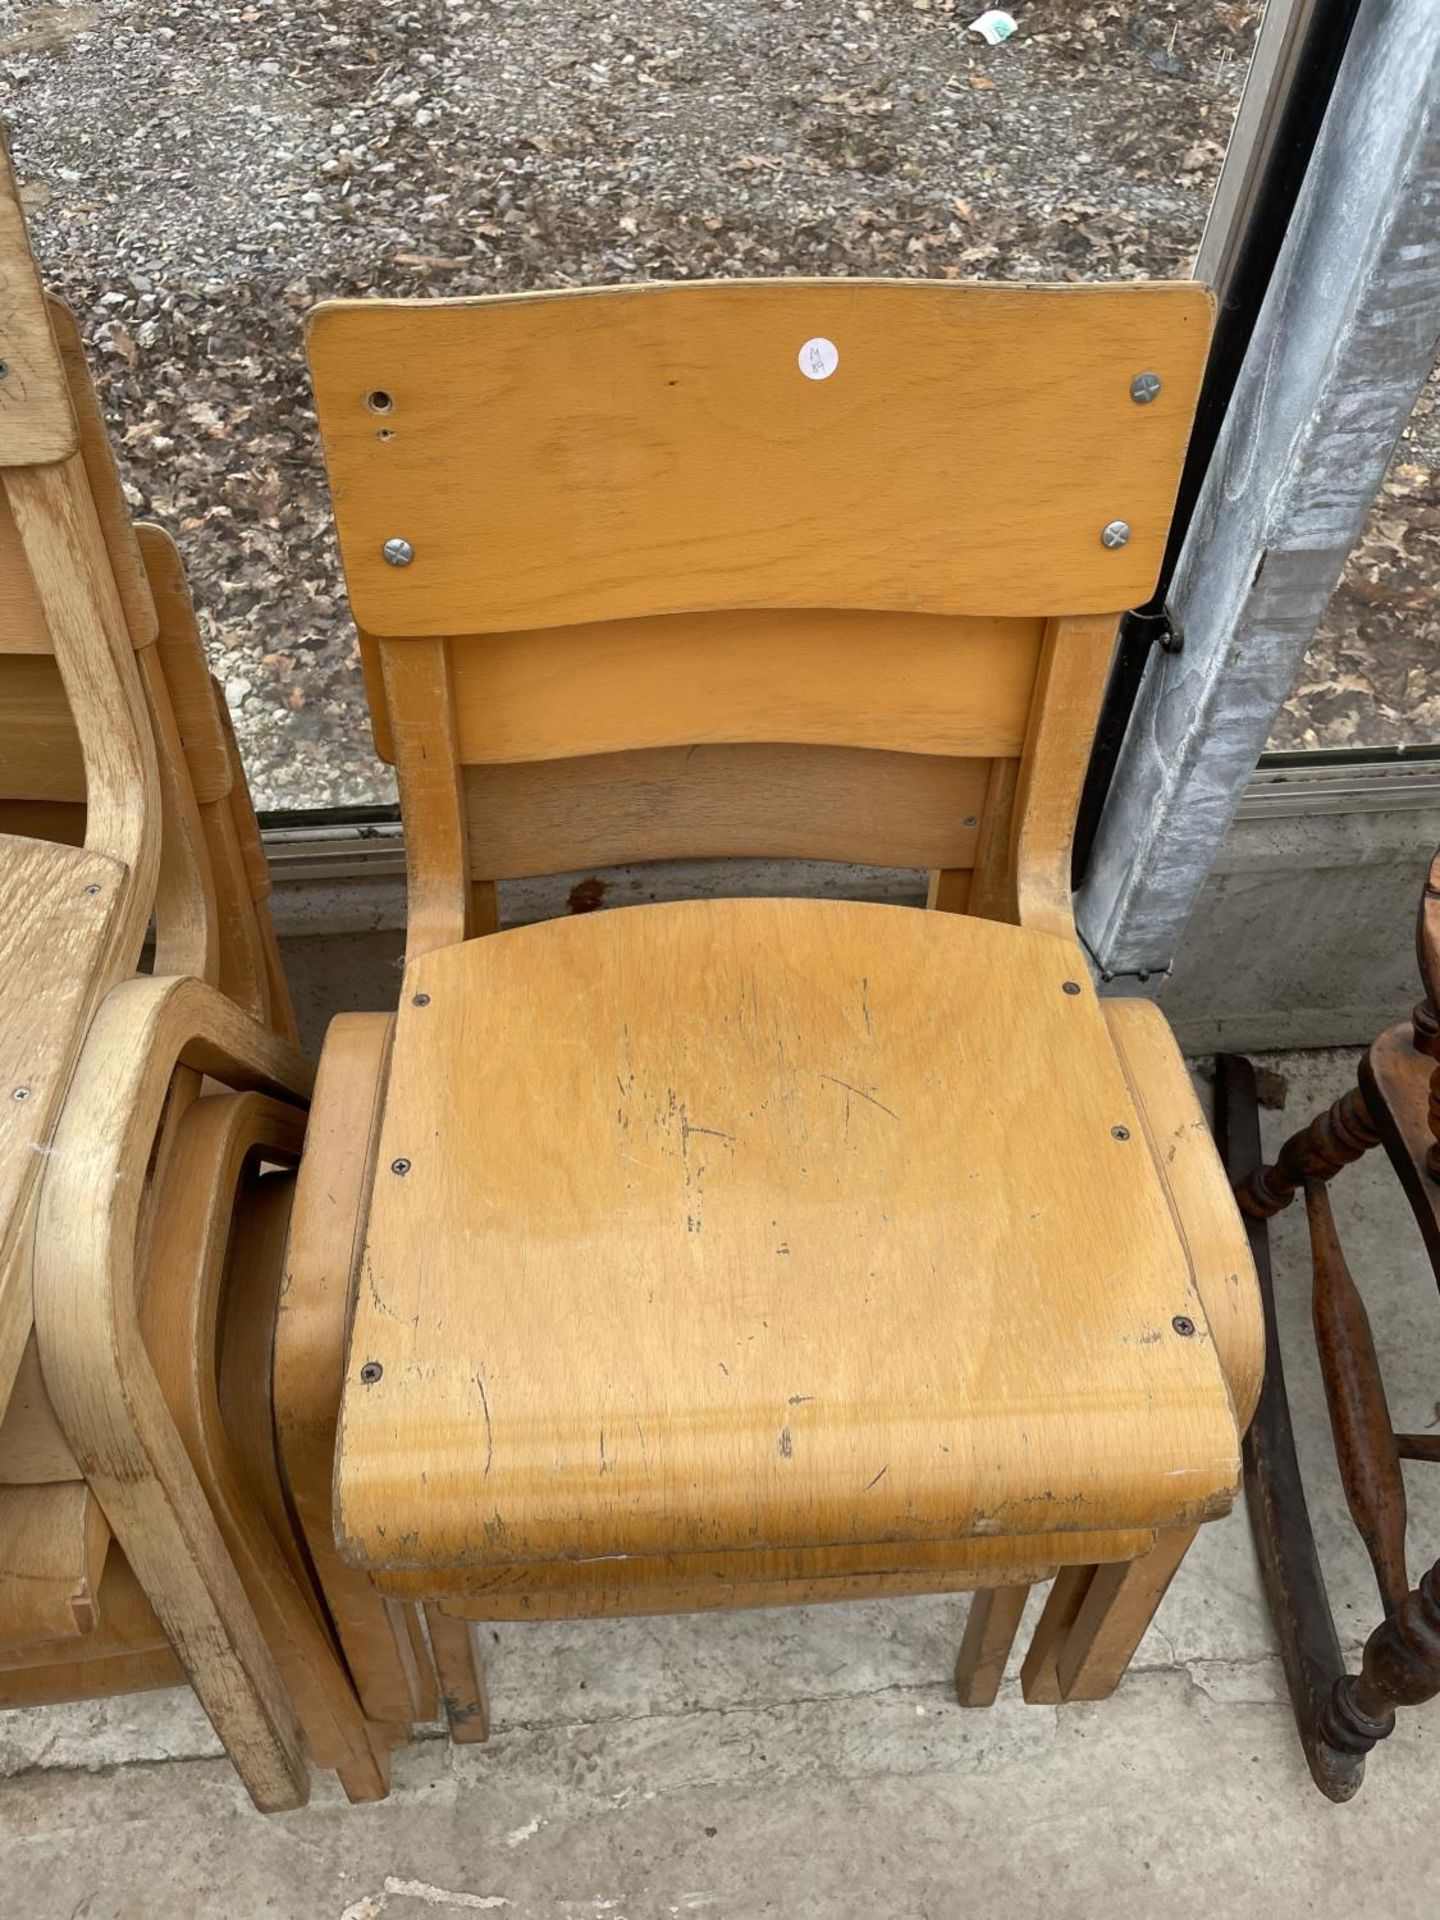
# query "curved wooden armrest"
(98, 1372)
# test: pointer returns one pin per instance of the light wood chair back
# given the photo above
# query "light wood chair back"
(209, 913)
(824, 569)
(122, 801)
(135, 1326)
(75, 916)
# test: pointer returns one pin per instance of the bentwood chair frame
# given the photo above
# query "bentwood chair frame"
(632, 585)
(143, 1534)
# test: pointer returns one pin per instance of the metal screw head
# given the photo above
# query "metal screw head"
(1119, 1133)
(93, 888)
(21, 1093)
(398, 553)
(371, 1372)
(1144, 387)
(4, 368)
(420, 1000)
(1183, 1325)
(1116, 533)
(402, 1167)
(1070, 986)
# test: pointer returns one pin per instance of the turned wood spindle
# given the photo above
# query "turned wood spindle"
(1427, 1014)
(1360, 1422)
(1400, 1668)
(1401, 1663)
(1331, 1141)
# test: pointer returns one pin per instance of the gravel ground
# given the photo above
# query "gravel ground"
(1372, 675)
(199, 173)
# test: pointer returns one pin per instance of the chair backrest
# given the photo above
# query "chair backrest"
(42, 764)
(210, 876)
(72, 919)
(100, 828)
(818, 568)
(208, 909)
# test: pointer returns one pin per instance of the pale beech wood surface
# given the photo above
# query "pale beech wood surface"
(669, 599)
(53, 1541)
(124, 1652)
(103, 479)
(36, 424)
(58, 912)
(714, 802)
(189, 1277)
(711, 1582)
(192, 696)
(905, 683)
(1205, 1211)
(331, 1193)
(33, 1450)
(766, 1224)
(654, 449)
(21, 617)
(87, 1265)
(40, 757)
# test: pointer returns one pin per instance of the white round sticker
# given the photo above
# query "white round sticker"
(819, 359)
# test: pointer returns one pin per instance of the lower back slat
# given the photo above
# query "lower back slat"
(718, 802)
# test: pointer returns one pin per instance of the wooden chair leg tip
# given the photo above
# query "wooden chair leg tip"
(969, 1696)
(467, 1728)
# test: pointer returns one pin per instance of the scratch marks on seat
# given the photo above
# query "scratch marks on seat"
(489, 1427)
(694, 1169)
(860, 1093)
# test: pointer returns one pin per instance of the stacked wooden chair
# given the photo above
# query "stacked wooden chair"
(150, 1126)
(744, 1252)
(1342, 1716)
(702, 1255)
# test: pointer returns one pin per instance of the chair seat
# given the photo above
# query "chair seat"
(718, 1226)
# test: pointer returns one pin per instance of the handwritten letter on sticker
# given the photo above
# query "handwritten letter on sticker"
(819, 359)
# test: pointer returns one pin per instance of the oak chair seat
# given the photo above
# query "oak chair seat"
(774, 1224)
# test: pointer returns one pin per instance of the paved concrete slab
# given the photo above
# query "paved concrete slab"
(811, 1762)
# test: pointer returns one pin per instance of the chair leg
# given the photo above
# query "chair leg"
(1118, 1606)
(1039, 1676)
(990, 1631)
(243, 1470)
(390, 1671)
(1275, 1501)
(1400, 1668)
(456, 1646)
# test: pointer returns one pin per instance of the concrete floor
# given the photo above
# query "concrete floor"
(813, 1762)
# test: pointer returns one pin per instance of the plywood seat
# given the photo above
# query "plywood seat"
(723, 1225)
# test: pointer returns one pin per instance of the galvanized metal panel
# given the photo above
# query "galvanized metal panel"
(1347, 335)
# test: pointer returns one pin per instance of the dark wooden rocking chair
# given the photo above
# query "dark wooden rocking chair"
(1396, 1102)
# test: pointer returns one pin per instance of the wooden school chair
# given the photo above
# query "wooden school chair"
(1342, 1716)
(741, 1252)
(146, 1125)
